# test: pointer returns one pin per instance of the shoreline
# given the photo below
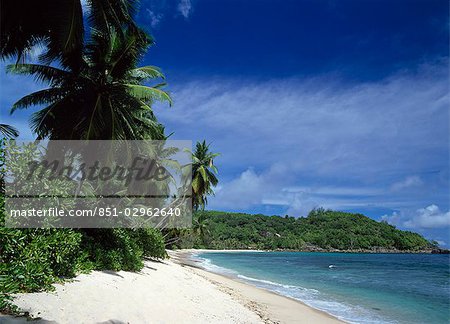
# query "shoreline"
(359, 251)
(166, 291)
(270, 306)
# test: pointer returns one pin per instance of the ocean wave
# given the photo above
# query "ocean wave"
(209, 266)
(308, 296)
(309, 290)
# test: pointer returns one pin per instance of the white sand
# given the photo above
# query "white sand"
(163, 292)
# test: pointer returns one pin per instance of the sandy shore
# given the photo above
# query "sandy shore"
(271, 307)
(163, 292)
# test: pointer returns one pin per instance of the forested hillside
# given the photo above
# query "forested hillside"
(322, 229)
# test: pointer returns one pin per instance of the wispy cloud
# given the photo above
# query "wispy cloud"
(155, 12)
(155, 18)
(185, 8)
(408, 182)
(302, 143)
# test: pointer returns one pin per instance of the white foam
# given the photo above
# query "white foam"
(209, 266)
(313, 291)
(309, 296)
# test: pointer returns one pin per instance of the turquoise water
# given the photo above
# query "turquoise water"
(359, 288)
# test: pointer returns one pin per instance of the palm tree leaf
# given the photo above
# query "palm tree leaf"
(46, 96)
(8, 131)
(214, 168)
(196, 185)
(58, 25)
(147, 72)
(111, 13)
(127, 52)
(42, 73)
(204, 174)
(40, 122)
(150, 94)
(212, 178)
(65, 39)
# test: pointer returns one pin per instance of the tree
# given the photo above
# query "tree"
(200, 226)
(57, 25)
(203, 175)
(104, 98)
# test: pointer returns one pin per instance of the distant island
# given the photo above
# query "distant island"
(322, 230)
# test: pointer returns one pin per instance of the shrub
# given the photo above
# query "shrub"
(123, 248)
(152, 243)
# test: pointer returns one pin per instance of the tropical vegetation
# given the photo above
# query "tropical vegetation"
(95, 91)
(100, 96)
(320, 230)
(203, 175)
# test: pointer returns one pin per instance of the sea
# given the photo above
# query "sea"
(354, 287)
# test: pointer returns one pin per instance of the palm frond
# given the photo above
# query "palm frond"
(149, 94)
(65, 40)
(147, 72)
(128, 51)
(42, 73)
(8, 131)
(57, 25)
(46, 96)
(111, 13)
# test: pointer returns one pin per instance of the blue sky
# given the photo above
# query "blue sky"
(340, 104)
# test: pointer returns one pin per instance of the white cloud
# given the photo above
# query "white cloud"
(301, 205)
(429, 217)
(155, 18)
(251, 189)
(423, 218)
(157, 11)
(319, 126)
(408, 182)
(320, 142)
(335, 144)
(336, 190)
(185, 8)
(441, 243)
(394, 219)
(246, 190)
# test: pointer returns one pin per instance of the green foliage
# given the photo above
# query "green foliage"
(35, 258)
(32, 259)
(58, 26)
(96, 92)
(152, 243)
(322, 228)
(102, 98)
(203, 175)
(122, 248)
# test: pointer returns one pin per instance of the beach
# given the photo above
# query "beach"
(169, 291)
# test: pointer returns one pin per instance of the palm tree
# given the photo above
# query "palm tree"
(203, 175)
(103, 98)
(58, 25)
(200, 226)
